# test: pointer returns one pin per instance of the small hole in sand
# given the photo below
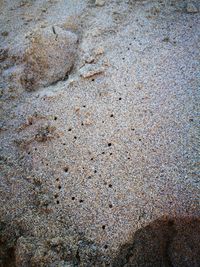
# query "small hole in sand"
(140, 139)
(171, 222)
(55, 118)
(111, 154)
(57, 179)
(103, 227)
(109, 144)
(59, 187)
(75, 137)
(73, 198)
(56, 195)
(111, 115)
(105, 246)
(69, 129)
(103, 153)
(81, 200)
(110, 185)
(92, 159)
(110, 206)
(66, 169)
(89, 177)
(120, 98)
(58, 202)
(95, 171)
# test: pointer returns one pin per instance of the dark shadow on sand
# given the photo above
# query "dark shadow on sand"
(166, 242)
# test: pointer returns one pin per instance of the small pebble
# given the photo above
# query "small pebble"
(191, 8)
(99, 2)
(89, 71)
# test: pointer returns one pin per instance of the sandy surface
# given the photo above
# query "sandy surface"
(113, 147)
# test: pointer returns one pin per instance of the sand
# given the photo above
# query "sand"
(93, 158)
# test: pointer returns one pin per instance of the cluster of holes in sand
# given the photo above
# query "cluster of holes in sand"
(66, 169)
(73, 198)
(56, 196)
